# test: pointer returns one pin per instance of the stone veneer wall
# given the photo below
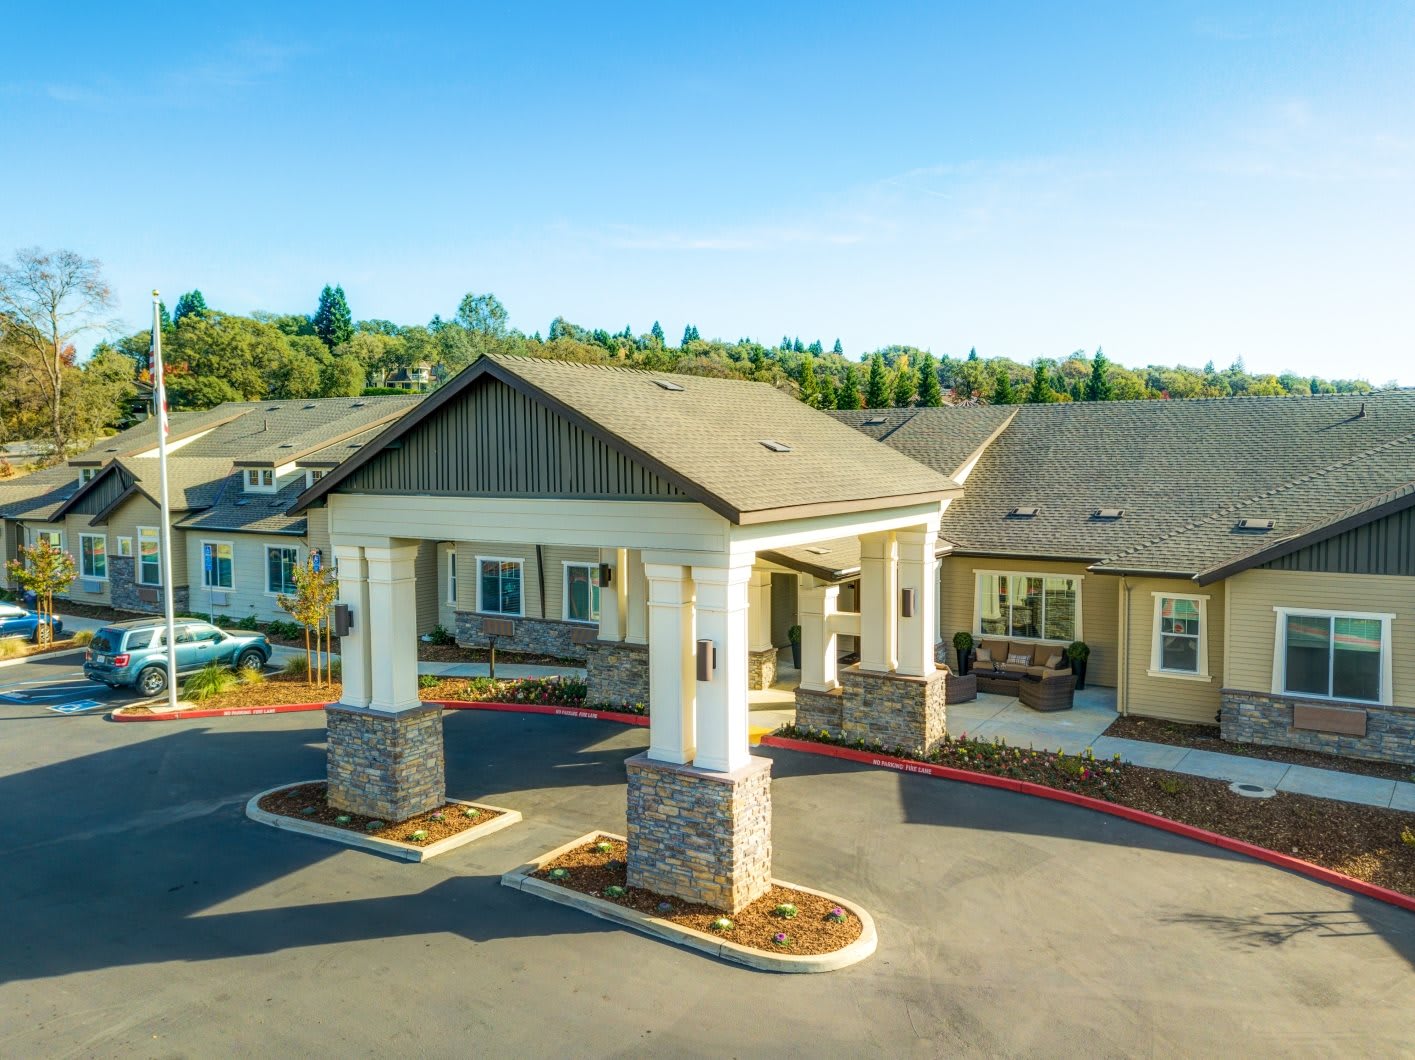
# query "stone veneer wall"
(1265, 718)
(616, 672)
(761, 669)
(537, 636)
(820, 710)
(389, 766)
(895, 710)
(698, 835)
(123, 589)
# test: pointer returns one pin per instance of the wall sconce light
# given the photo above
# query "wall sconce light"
(906, 602)
(606, 574)
(343, 620)
(707, 659)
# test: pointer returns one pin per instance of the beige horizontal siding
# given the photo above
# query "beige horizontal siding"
(1173, 698)
(248, 595)
(139, 511)
(467, 553)
(1099, 605)
(555, 558)
(1253, 595)
(428, 591)
(74, 525)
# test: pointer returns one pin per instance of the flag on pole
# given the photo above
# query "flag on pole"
(159, 382)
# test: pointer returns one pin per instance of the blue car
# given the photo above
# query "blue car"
(18, 622)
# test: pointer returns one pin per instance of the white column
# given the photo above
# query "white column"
(671, 663)
(816, 601)
(355, 658)
(721, 612)
(918, 571)
(613, 601)
(636, 624)
(879, 602)
(759, 611)
(393, 614)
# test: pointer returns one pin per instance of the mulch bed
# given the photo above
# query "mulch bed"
(1206, 738)
(590, 870)
(273, 691)
(1361, 841)
(309, 802)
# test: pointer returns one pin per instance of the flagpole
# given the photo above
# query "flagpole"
(165, 531)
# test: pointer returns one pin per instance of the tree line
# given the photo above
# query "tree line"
(51, 300)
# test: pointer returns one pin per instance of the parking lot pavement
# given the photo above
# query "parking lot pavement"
(56, 685)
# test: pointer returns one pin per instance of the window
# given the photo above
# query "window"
(54, 537)
(1043, 606)
(582, 592)
(149, 558)
(1179, 645)
(93, 556)
(499, 586)
(313, 475)
(260, 480)
(280, 564)
(451, 575)
(1333, 655)
(217, 565)
(125, 546)
(86, 475)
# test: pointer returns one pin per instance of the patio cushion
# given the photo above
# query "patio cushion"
(1052, 661)
(1013, 668)
(1019, 658)
(1048, 671)
(997, 650)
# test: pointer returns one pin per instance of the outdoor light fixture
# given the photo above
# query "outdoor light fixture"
(707, 659)
(343, 620)
(906, 602)
(606, 575)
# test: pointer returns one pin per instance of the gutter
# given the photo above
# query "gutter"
(1123, 684)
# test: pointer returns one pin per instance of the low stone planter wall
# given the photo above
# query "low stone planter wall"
(820, 710)
(537, 636)
(1266, 718)
(616, 672)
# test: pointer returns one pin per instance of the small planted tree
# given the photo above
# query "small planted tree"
(312, 605)
(43, 570)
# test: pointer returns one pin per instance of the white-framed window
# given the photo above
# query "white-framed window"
(260, 480)
(125, 546)
(54, 537)
(218, 565)
(280, 564)
(149, 556)
(1333, 655)
(93, 557)
(313, 475)
(1036, 606)
(452, 576)
(582, 592)
(86, 475)
(1179, 642)
(499, 584)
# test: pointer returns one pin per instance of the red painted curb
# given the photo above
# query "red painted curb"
(1041, 791)
(229, 712)
(537, 708)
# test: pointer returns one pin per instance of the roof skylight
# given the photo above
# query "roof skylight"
(816, 550)
(664, 384)
(1108, 513)
(1255, 524)
(1023, 513)
(776, 447)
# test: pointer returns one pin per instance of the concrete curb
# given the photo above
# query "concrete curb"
(36, 656)
(537, 708)
(406, 851)
(228, 712)
(1164, 824)
(522, 879)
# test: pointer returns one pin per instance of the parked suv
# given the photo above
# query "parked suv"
(19, 622)
(134, 654)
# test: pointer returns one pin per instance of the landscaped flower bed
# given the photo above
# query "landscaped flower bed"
(309, 802)
(1365, 842)
(783, 920)
(14, 648)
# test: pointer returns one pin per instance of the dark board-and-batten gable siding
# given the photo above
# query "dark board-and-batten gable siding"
(101, 494)
(496, 441)
(1385, 546)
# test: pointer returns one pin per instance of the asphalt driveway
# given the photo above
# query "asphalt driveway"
(146, 915)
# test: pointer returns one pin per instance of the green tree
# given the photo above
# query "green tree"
(342, 377)
(876, 385)
(483, 313)
(828, 394)
(190, 304)
(657, 332)
(1040, 392)
(1002, 392)
(930, 392)
(837, 348)
(815, 349)
(311, 605)
(810, 387)
(43, 570)
(849, 394)
(690, 333)
(906, 382)
(333, 322)
(1098, 387)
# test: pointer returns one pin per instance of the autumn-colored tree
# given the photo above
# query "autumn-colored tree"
(311, 605)
(43, 570)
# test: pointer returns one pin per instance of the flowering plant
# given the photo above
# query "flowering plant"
(614, 891)
(836, 915)
(417, 836)
(559, 874)
(604, 846)
(722, 923)
(781, 939)
(786, 910)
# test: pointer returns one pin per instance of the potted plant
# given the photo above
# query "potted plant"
(794, 636)
(1078, 652)
(963, 645)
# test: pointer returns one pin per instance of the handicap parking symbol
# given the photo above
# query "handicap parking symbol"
(75, 708)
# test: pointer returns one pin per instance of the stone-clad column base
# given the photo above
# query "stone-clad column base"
(386, 765)
(699, 835)
(761, 669)
(616, 673)
(820, 710)
(893, 709)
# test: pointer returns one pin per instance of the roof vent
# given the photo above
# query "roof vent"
(1023, 513)
(816, 550)
(110, 450)
(875, 421)
(358, 404)
(1108, 513)
(242, 502)
(273, 408)
(356, 445)
(776, 447)
(1255, 524)
(664, 384)
(311, 405)
(286, 445)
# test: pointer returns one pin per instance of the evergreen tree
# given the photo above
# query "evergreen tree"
(837, 348)
(930, 392)
(332, 321)
(1098, 387)
(690, 334)
(1002, 392)
(906, 382)
(828, 395)
(876, 387)
(1039, 393)
(190, 304)
(810, 388)
(973, 354)
(796, 346)
(815, 349)
(849, 395)
(163, 316)
(785, 343)
(758, 358)
(657, 332)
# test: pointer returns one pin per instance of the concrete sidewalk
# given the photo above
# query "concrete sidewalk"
(1073, 731)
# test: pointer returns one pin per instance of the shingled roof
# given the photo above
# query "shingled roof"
(233, 509)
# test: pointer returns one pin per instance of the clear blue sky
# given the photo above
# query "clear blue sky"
(1175, 182)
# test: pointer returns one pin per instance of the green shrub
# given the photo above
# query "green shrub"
(285, 630)
(336, 669)
(249, 622)
(963, 641)
(794, 634)
(426, 680)
(295, 666)
(441, 637)
(251, 677)
(210, 680)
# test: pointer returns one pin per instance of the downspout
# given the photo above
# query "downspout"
(1124, 684)
(540, 578)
